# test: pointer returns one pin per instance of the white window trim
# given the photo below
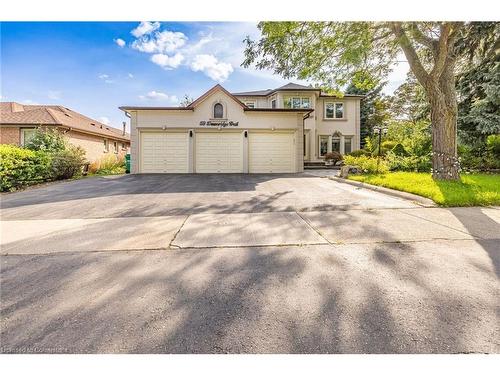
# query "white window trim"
(22, 135)
(224, 111)
(252, 102)
(301, 100)
(350, 137)
(334, 111)
(328, 144)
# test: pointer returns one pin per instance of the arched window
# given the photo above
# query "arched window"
(218, 110)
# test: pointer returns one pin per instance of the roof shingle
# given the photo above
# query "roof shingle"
(12, 113)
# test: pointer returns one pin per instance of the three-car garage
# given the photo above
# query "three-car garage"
(232, 151)
(216, 133)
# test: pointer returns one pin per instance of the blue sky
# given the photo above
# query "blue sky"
(95, 67)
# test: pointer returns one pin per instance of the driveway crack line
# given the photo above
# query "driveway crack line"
(170, 245)
(314, 229)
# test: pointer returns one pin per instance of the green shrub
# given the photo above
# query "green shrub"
(47, 139)
(399, 150)
(67, 163)
(108, 164)
(408, 163)
(493, 145)
(367, 164)
(21, 167)
(387, 146)
(359, 153)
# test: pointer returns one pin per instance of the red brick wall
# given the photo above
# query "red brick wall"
(10, 135)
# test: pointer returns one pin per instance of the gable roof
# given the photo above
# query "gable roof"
(210, 92)
(12, 113)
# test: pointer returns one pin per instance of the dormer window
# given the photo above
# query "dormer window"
(218, 110)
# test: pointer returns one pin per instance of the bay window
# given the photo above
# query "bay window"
(336, 144)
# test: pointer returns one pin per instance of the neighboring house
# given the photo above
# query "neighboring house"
(270, 131)
(18, 123)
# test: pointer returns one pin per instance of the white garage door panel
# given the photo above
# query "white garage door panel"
(271, 153)
(219, 153)
(164, 152)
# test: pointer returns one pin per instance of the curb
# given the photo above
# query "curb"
(421, 201)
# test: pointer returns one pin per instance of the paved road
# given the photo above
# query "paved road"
(244, 264)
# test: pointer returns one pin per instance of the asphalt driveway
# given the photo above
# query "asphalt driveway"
(243, 264)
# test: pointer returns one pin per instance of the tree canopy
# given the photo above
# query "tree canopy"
(332, 54)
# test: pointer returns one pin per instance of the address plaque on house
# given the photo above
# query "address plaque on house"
(219, 123)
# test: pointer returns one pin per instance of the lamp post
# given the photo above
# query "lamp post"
(379, 130)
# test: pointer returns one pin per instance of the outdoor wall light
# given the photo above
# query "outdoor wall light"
(191, 134)
(245, 133)
(164, 127)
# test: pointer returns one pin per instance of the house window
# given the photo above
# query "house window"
(304, 145)
(106, 145)
(26, 135)
(334, 110)
(123, 146)
(250, 104)
(347, 145)
(218, 110)
(273, 103)
(336, 144)
(323, 145)
(297, 102)
(115, 147)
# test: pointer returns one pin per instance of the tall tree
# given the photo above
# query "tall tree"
(409, 101)
(478, 82)
(334, 53)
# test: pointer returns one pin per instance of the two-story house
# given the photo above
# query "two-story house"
(268, 131)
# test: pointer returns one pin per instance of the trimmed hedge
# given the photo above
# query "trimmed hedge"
(21, 167)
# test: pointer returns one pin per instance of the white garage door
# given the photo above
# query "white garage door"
(164, 152)
(219, 153)
(271, 153)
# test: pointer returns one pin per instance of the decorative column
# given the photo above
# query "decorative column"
(342, 145)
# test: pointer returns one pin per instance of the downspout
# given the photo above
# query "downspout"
(304, 118)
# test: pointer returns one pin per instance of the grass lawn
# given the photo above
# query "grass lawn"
(472, 190)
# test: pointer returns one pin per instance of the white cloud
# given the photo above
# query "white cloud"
(104, 120)
(145, 28)
(167, 62)
(130, 75)
(105, 78)
(159, 96)
(208, 64)
(29, 101)
(120, 42)
(160, 42)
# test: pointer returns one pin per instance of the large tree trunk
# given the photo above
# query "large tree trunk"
(443, 99)
(445, 165)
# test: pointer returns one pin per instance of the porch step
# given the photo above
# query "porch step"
(314, 163)
(320, 166)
